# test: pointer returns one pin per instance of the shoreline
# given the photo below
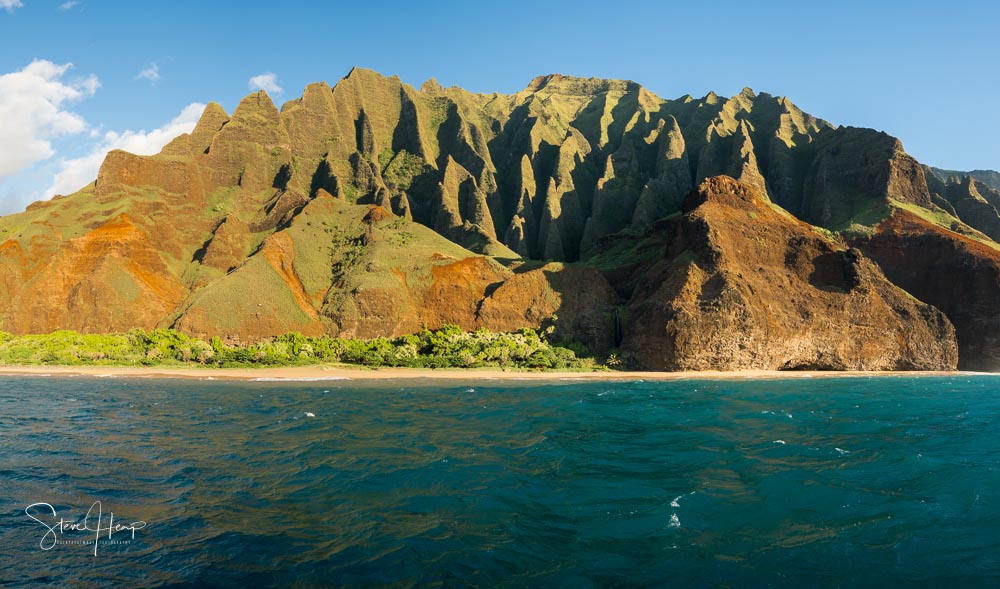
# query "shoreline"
(328, 372)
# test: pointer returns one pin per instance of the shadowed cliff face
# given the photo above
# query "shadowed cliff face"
(544, 173)
(990, 178)
(958, 275)
(371, 208)
(549, 171)
(331, 268)
(969, 200)
(740, 284)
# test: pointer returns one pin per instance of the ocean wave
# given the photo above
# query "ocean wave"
(297, 379)
(677, 500)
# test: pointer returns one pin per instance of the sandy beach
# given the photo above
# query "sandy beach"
(323, 372)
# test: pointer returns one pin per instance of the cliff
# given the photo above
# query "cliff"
(371, 208)
(955, 273)
(739, 284)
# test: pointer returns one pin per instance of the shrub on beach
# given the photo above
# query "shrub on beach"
(446, 347)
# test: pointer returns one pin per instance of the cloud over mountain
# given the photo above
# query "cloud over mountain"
(267, 82)
(34, 111)
(77, 172)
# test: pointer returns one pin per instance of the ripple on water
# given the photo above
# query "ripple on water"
(861, 481)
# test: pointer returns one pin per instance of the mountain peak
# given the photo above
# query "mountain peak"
(257, 104)
(360, 73)
(572, 85)
(725, 190)
(431, 86)
(267, 222)
(211, 120)
(256, 100)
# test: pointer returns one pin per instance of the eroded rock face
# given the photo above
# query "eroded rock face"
(389, 277)
(975, 204)
(743, 285)
(575, 299)
(370, 208)
(115, 262)
(548, 172)
(959, 275)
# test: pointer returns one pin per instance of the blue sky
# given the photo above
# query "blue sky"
(924, 72)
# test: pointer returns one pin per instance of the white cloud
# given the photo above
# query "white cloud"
(67, 5)
(32, 111)
(151, 72)
(76, 173)
(267, 82)
(10, 5)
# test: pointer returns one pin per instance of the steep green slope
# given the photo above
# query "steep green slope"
(371, 208)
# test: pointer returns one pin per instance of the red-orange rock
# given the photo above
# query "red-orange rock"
(743, 285)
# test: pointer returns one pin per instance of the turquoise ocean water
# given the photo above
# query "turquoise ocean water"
(833, 482)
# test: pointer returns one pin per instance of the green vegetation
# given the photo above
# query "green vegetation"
(447, 347)
(630, 250)
(400, 169)
(937, 217)
(683, 259)
(945, 220)
(826, 234)
(863, 223)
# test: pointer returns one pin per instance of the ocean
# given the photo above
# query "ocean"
(822, 482)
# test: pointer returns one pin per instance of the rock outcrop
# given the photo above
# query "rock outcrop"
(371, 208)
(741, 284)
(953, 272)
(990, 178)
(975, 204)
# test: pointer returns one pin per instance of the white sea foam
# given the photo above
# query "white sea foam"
(301, 379)
(782, 442)
(309, 414)
(677, 500)
(675, 522)
(842, 452)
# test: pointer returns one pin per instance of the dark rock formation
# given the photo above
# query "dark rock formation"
(959, 275)
(370, 208)
(743, 285)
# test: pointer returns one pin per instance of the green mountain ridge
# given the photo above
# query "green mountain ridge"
(990, 178)
(371, 208)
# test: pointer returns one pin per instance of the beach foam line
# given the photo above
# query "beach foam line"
(297, 378)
